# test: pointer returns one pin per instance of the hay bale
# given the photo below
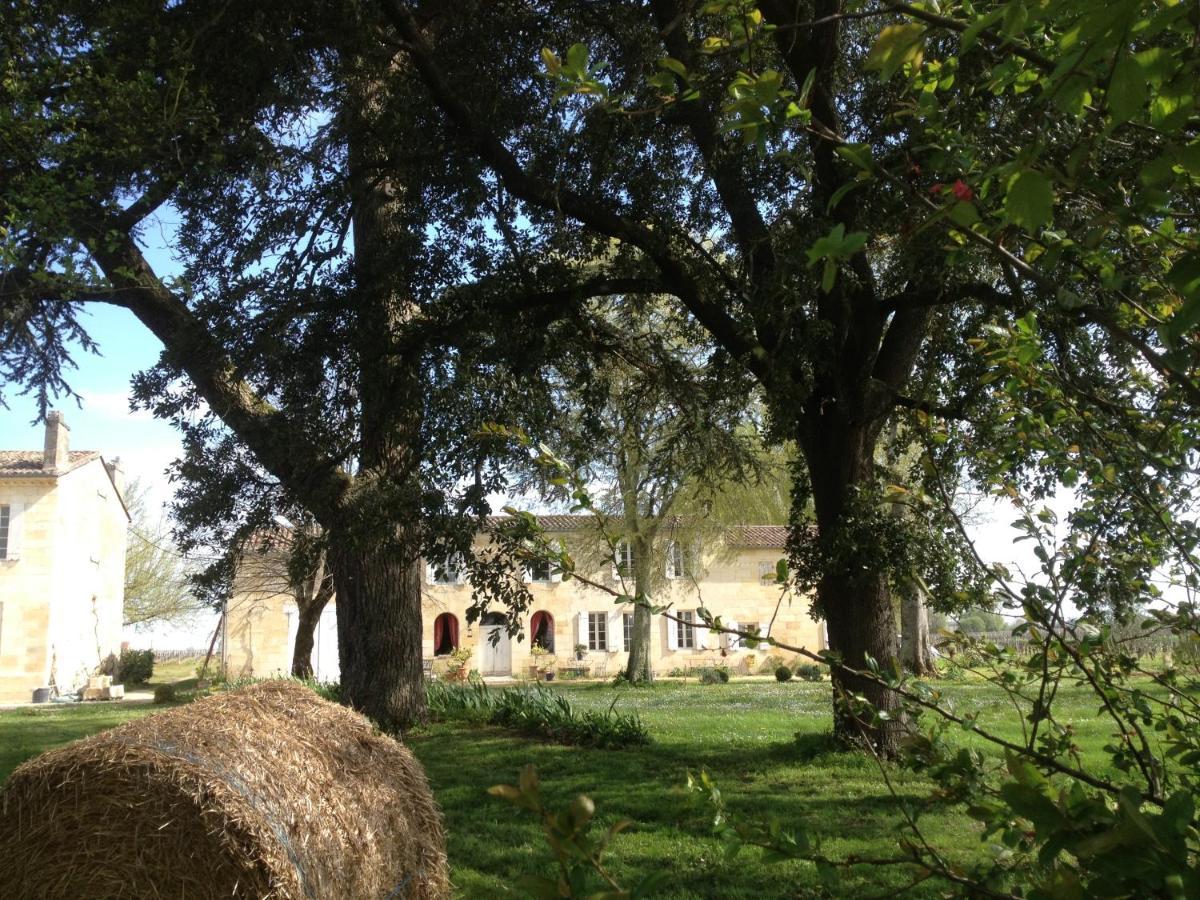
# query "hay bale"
(267, 791)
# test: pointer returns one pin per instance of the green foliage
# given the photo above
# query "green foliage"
(714, 675)
(783, 673)
(165, 693)
(579, 854)
(131, 667)
(538, 711)
(810, 672)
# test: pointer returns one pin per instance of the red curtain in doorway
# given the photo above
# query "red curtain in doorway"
(445, 634)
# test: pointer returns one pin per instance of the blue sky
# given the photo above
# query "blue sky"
(101, 419)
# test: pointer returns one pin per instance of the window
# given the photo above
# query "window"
(450, 571)
(539, 570)
(680, 560)
(627, 621)
(687, 633)
(541, 629)
(597, 631)
(624, 560)
(5, 514)
(445, 634)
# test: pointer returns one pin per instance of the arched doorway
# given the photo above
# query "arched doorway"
(495, 646)
(445, 634)
(541, 631)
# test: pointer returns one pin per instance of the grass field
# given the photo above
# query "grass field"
(762, 742)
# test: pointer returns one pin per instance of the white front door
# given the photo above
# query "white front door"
(495, 659)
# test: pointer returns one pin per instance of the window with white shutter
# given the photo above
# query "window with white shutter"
(616, 633)
(448, 571)
(10, 530)
(623, 560)
(732, 641)
(597, 631)
(687, 632)
(538, 571)
(681, 560)
(627, 629)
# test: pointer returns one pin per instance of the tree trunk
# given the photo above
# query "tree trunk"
(858, 612)
(638, 669)
(853, 595)
(915, 652)
(375, 544)
(310, 605)
(378, 584)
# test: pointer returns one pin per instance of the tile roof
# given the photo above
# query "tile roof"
(28, 463)
(759, 536)
(750, 536)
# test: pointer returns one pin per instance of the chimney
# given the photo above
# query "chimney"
(58, 437)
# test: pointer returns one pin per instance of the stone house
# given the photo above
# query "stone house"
(62, 564)
(734, 580)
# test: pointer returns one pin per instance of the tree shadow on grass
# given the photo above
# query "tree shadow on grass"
(837, 796)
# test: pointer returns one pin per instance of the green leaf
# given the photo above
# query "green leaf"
(577, 59)
(895, 46)
(971, 33)
(671, 64)
(1184, 276)
(1029, 201)
(964, 214)
(857, 154)
(1126, 90)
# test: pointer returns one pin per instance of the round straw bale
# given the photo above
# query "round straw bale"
(266, 791)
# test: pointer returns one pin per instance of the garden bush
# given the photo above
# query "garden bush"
(715, 675)
(132, 667)
(783, 673)
(536, 710)
(810, 672)
(165, 693)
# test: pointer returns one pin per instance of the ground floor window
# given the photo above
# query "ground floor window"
(541, 631)
(627, 622)
(597, 631)
(687, 633)
(445, 634)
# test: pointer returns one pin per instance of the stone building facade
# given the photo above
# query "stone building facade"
(734, 578)
(63, 528)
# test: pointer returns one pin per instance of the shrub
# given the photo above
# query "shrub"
(783, 673)
(810, 672)
(716, 675)
(536, 710)
(132, 667)
(326, 690)
(165, 693)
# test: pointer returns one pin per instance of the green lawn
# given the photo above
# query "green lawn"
(743, 733)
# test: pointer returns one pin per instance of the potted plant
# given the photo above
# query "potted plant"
(457, 670)
(580, 650)
(543, 662)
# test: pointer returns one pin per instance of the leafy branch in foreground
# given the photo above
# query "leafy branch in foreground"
(578, 853)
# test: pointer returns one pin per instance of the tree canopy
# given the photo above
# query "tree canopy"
(979, 218)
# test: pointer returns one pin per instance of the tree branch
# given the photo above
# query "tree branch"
(281, 448)
(656, 244)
